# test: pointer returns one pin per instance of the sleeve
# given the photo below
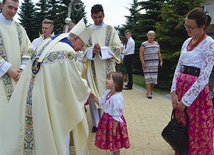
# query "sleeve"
(24, 63)
(26, 46)
(118, 108)
(114, 47)
(102, 100)
(129, 46)
(89, 53)
(4, 67)
(106, 53)
(177, 70)
(203, 79)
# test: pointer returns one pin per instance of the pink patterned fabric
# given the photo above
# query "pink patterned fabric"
(104, 136)
(201, 117)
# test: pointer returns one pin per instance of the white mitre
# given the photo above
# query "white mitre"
(82, 31)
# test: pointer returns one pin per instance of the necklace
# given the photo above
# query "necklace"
(191, 46)
(109, 95)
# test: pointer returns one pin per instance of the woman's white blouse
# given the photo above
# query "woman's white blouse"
(114, 105)
(202, 56)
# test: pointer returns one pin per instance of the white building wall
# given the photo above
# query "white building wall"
(208, 6)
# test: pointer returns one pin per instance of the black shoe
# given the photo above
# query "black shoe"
(127, 88)
(94, 129)
(149, 97)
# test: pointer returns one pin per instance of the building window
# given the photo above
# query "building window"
(207, 8)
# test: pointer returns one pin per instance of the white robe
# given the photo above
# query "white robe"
(46, 107)
(15, 44)
(109, 41)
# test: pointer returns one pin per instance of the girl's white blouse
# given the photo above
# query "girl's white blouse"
(114, 105)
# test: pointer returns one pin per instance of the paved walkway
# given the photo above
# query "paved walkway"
(145, 119)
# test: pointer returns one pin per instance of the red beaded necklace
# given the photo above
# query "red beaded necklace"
(191, 46)
(109, 95)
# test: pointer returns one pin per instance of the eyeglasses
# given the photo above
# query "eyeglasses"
(189, 28)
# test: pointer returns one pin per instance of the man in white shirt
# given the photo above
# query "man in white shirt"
(128, 58)
(47, 29)
(14, 48)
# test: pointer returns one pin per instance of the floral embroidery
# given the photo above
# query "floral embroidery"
(6, 78)
(29, 144)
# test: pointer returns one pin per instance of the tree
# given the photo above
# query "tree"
(27, 18)
(166, 17)
(41, 14)
(146, 22)
(76, 14)
(53, 12)
(171, 34)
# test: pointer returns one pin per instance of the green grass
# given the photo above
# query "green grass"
(139, 80)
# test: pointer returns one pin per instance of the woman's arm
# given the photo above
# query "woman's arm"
(141, 55)
(160, 57)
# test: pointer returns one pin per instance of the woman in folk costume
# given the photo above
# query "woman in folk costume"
(48, 101)
(112, 133)
(190, 87)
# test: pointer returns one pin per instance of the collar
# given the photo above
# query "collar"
(98, 26)
(64, 40)
(4, 20)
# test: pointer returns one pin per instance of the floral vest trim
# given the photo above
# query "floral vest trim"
(107, 41)
(29, 142)
(7, 82)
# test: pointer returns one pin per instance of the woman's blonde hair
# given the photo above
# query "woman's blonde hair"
(150, 32)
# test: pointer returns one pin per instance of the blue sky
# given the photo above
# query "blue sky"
(115, 10)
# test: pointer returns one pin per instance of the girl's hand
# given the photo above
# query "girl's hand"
(94, 98)
(92, 95)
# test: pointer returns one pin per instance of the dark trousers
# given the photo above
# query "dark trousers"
(128, 60)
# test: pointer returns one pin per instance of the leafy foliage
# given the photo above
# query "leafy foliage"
(56, 10)
(166, 18)
(27, 18)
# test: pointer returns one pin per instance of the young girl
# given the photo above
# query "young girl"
(112, 131)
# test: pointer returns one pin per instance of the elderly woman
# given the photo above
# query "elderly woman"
(150, 56)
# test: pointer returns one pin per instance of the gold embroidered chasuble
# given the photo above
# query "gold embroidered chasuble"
(14, 45)
(98, 68)
(46, 106)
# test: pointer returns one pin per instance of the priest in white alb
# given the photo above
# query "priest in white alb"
(48, 102)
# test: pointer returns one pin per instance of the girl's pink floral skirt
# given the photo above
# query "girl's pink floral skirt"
(104, 136)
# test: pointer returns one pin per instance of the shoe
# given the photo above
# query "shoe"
(94, 129)
(126, 85)
(127, 88)
(149, 97)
